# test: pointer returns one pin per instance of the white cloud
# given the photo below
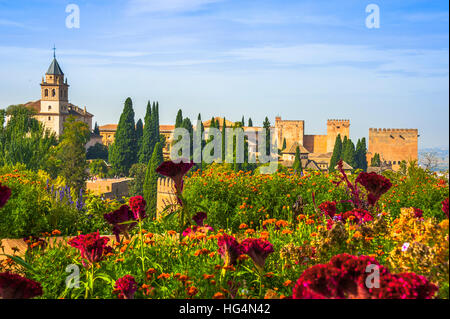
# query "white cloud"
(425, 62)
(152, 6)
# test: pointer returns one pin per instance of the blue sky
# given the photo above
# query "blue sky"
(309, 60)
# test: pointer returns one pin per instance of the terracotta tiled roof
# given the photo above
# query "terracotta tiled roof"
(36, 105)
(293, 149)
(166, 127)
(108, 127)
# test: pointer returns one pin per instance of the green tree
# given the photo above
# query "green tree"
(348, 153)
(98, 167)
(297, 165)
(151, 180)
(375, 161)
(25, 140)
(146, 149)
(139, 132)
(266, 126)
(137, 173)
(71, 153)
(224, 127)
(96, 129)
(97, 151)
(242, 121)
(337, 153)
(361, 154)
(123, 153)
(179, 119)
(250, 122)
(284, 144)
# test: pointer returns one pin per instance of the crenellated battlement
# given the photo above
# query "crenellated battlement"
(393, 130)
(166, 185)
(338, 121)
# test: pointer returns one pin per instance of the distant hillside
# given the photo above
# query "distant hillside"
(440, 158)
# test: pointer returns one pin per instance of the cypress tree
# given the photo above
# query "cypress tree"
(96, 129)
(156, 124)
(150, 188)
(375, 161)
(284, 144)
(337, 153)
(362, 155)
(266, 126)
(297, 166)
(123, 153)
(243, 122)
(224, 126)
(187, 124)
(139, 134)
(179, 119)
(146, 149)
(348, 153)
(250, 122)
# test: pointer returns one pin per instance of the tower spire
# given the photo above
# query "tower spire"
(54, 51)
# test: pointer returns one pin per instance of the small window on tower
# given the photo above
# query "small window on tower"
(46, 92)
(49, 107)
(53, 92)
(49, 118)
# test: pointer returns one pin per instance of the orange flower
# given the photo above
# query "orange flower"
(250, 231)
(56, 232)
(243, 226)
(282, 223)
(286, 231)
(171, 232)
(206, 276)
(242, 257)
(192, 291)
(357, 235)
(202, 251)
(164, 275)
(269, 275)
(219, 295)
(287, 283)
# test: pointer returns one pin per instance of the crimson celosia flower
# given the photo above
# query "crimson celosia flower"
(13, 286)
(229, 249)
(175, 171)
(258, 249)
(445, 206)
(418, 212)
(126, 287)
(92, 247)
(199, 218)
(137, 205)
(117, 217)
(375, 184)
(357, 215)
(344, 277)
(5, 194)
(328, 208)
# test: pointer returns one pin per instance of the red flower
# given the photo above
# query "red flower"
(126, 287)
(137, 205)
(328, 208)
(5, 194)
(13, 286)
(175, 171)
(199, 218)
(92, 247)
(258, 249)
(418, 212)
(115, 218)
(376, 185)
(445, 206)
(357, 215)
(229, 249)
(344, 277)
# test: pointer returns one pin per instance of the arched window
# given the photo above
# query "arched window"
(46, 92)
(49, 118)
(53, 92)
(49, 107)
